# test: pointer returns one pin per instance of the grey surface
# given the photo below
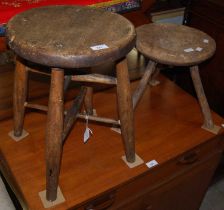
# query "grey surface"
(5, 201)
(214, 198)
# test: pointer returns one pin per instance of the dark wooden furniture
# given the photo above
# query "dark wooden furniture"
(94, 176)
(178, 45)
(208, 16)
(71, 37)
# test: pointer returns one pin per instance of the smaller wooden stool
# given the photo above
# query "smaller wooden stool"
(178, 45)
(61, 37)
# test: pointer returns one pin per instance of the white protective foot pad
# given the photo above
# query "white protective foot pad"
(15, 138)
(214, 130)
(94, 113)
(138, 161)
(48, 204)
(115, 129)
(154, 82)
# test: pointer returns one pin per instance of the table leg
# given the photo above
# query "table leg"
(208, 122)
(54, 132)
(19, 96)
(88, 101)
(125, 109)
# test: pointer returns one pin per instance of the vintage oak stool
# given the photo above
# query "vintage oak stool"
(178, 45)
(63, 37)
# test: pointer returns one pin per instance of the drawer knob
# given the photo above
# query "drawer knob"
(189, 158)
(102, 203)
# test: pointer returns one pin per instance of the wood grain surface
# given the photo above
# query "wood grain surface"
(167, 124)
(62, 36)
(169, 44)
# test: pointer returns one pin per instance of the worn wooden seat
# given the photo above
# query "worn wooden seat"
(71, 37)
(66, 41)
(178, 45)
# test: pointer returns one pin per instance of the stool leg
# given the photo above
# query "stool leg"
(67, 81)
(150, 69)
(88, 101)
(125, 109)
(19, 96)
(54, 131)
(208, 122)
(153, 81)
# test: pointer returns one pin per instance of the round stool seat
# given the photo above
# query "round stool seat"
(70, 36)
(174, 44)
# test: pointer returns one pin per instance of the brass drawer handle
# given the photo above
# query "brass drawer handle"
(189, 158)
(102, 203)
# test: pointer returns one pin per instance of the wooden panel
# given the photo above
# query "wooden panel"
(167, 125)
(186, 191)
(135, 204)
(134, 191)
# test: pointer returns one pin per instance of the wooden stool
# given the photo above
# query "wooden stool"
(178, 45)
(70, 37)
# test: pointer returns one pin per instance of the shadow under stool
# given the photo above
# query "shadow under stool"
(62, 37)
(178, 45)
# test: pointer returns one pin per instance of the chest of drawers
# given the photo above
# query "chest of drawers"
(93, 175)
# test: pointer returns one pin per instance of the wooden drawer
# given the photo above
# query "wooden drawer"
(132, 194)
(164, 173)
(108, 201)
(185, 191)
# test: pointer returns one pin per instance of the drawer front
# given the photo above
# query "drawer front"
(111, 204)
(166, 172)
(103, 202)
(130, 195)
(186, 191)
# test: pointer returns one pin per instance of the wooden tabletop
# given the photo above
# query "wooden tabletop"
(173, 44)
(167, 124)
(70, 36)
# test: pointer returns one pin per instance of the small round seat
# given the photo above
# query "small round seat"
(65, 36)
(176, 45)
(73, 37)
